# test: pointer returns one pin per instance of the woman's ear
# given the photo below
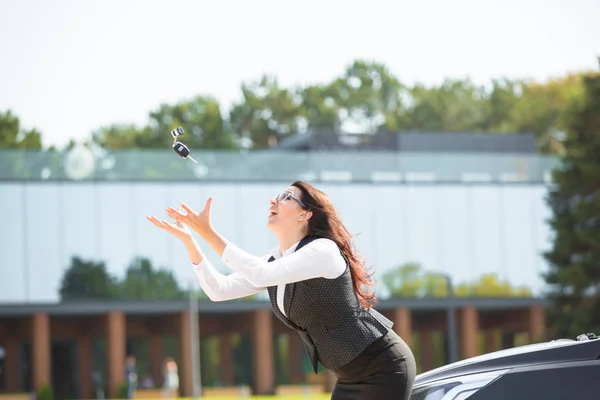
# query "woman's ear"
(305, 215)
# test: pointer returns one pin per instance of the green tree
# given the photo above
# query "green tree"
(13, 136)
(320, 107)
(143, 282)
(454, 105)
(544, 109)
(574, 258)
(122, 136)
(501, 106)
(266, 113)
(205, 127)
(15, 145)
(201, 118)
(404, 281)
(369, 98)
(87, 280)
(435, 285)
(488, 285)
(366, 97)
(411, 280)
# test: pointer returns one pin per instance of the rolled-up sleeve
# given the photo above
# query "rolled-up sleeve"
(320, 258)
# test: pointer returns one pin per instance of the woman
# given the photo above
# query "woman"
(318, 287)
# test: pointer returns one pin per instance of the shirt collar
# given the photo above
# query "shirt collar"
(277, 254)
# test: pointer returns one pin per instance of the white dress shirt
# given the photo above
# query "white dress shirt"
(276, 253)
(320, 258)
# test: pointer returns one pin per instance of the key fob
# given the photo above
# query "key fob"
(181, 149)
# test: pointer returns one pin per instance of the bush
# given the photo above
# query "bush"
(44, 393)
(122, 393)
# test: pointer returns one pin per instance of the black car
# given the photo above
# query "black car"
(560, 369)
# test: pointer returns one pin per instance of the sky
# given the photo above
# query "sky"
(68, 67)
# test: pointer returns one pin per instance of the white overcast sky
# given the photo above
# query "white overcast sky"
(70, 66)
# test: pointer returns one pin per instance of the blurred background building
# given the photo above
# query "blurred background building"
(93, 281)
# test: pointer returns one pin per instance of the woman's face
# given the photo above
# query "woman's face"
(286, 210)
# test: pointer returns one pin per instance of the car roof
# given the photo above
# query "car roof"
(553, 351)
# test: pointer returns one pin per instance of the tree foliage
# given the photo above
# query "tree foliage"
(411, 280)
(366, 97)
(574, 199)
(143, 282)
(87, 280)
(90, 280)
(266, 112)
(200, 116)
(13, 136)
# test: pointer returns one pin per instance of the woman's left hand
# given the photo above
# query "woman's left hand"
(199, 222)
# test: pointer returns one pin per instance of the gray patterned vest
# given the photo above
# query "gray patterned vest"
(327, 315)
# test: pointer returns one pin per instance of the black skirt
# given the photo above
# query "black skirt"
(385, 370)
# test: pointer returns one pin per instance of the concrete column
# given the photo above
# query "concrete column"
(40, 335)
(84, 345)
(156, 357)
(116, 339)
(490, 341)
(185, 346)
(403, 324)
(226, 372)
(537, 324)
(11, 365)
(262, 358)
(427, 357)
(468, 331)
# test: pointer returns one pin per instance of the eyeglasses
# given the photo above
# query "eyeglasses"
(286, 196)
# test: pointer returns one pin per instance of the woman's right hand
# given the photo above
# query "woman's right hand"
(179, 230)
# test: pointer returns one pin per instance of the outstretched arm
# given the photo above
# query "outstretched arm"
(217, 286)
(319, 259)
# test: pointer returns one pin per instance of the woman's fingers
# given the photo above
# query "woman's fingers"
(155, 221)
(177, 215)
(174, 211)
(176, 229)
(206, 209)
(161, 223)
(207, 205)
(187, 209)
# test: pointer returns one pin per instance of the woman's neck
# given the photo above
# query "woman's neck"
(287, 241)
